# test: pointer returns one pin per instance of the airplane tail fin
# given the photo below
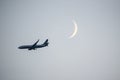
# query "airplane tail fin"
(46, 42)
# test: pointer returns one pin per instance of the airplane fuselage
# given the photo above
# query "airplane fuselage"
(34, 46)
(29, 46)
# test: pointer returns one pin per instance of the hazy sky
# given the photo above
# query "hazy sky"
(93, 54)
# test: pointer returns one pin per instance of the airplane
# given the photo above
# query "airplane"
(34, 46)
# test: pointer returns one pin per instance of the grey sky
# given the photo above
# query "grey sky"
(93, 54)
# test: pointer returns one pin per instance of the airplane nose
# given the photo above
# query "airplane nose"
(19, 47)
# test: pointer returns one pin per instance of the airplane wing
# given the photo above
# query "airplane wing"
(34, 45)
(46, 41)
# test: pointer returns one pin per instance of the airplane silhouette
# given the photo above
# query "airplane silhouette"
(34, 46)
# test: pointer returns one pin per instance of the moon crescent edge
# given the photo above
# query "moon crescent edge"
(75, 30)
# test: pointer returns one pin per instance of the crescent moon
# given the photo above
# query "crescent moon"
(75, 29)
